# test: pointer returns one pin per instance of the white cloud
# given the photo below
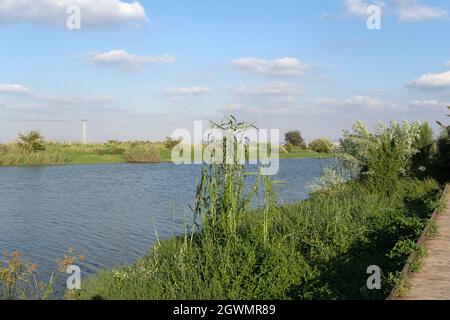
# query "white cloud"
(188, 91)
(275, 89)
(121, 58)
(75, 100)
(414, 10)
(364, 101)
(14, 88)
(403, 10)
(356, 101)
(432, 81)
(55, 100)
(428, 103)
(96, 13)
(284, 67)
(356, 8)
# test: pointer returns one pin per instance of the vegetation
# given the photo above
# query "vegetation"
(295, 139)
(442, 159)
(322, 145)
(368, 210)
(142, 153)
(31, 149)
(18, 276)
(316, 249)
(380, 158)
(31, 142)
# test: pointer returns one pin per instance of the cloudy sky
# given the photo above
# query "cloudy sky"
(140, 70)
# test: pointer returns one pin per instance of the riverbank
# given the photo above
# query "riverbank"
(108, 153)
(318, 249)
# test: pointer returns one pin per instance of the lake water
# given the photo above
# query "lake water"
(109, 213)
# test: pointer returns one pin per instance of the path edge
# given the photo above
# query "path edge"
(394, 295)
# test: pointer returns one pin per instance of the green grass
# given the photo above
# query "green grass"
(92, 158)
(304, 154)
(61, 153)
(317, 249)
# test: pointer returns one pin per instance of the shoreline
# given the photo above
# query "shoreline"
(308, 155)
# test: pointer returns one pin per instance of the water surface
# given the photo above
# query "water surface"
(109, 213)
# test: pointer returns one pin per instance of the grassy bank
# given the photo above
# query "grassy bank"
(98, 153)
(316, 249)
(103, 153)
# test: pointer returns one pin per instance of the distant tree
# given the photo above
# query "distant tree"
(425, 138)
(426, 150)
(321, 145)
(295, 139)
(31, 142)
(443, 156)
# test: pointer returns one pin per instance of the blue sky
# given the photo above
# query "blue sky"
(140, 70)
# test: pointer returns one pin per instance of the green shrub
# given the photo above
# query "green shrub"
(31, 142)
(381, 157)
(142, 153)
(289, 148)
(321, 145)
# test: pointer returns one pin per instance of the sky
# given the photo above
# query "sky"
(142, 69)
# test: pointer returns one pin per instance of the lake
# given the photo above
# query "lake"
(109, 213)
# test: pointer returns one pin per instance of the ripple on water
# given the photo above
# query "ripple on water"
(109, 212)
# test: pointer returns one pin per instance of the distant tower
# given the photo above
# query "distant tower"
(84, 126)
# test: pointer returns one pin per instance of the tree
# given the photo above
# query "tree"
(426, 146)
(443, 156)
(295, 139)
(31, 142)
(425, 138)
(321, 145)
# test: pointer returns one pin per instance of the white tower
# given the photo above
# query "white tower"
(84, 128)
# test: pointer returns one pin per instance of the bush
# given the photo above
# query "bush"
(381, 157)
(142, 153)
(31, 142)
(110, 148)
(289, 148)
(321, 145)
